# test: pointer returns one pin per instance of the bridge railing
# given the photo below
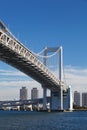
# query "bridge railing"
(19, 48)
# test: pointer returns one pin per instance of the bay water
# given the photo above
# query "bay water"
(24, 120)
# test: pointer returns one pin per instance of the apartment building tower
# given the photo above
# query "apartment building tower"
(34, 93)
(84, 99)
(23, 93)
(77, 98)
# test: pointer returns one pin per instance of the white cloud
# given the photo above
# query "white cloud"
(11, 82)
(11, 73)
(10, 89)
(76, 77)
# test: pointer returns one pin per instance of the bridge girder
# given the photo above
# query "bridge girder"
(15, 54)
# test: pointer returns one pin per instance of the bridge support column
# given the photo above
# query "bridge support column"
(56, 103)
(44, 98)
(68, 102)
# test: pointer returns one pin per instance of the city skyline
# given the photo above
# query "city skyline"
(48, 23)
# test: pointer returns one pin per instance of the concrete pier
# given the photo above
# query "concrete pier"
(56, 103)
(44, 98)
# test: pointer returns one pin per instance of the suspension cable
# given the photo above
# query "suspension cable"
(41, 51)
(38, 55)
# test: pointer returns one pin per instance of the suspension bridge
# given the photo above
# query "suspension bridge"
(14, 53)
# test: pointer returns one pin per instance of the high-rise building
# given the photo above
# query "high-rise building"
(34, 93)
(84, 99)
(76, 98)
(23, 93)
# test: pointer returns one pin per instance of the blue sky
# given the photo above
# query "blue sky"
(51, 23)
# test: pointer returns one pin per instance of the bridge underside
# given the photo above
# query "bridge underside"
(14, 59)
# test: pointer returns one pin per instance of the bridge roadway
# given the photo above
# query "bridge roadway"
(17, 55)
(23, 102)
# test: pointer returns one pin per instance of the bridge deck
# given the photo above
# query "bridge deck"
(14, 53)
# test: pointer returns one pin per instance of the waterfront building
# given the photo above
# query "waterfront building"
(34, 93)
(84, 99)
(23, 93)
(76, 98)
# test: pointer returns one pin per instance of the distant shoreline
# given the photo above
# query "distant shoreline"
(79, 109)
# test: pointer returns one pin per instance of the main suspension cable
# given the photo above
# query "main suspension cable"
(48, 56)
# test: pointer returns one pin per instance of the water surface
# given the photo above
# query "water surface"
(20, 120)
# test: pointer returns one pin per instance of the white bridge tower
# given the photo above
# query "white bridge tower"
(56, 102)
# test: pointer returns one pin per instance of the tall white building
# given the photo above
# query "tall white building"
(76, 98)
(23, 93)
(84, 99)
(34, 93)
